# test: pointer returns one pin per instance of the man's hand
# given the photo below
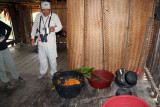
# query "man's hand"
(52, 29)
(32, 42)
(1, 40)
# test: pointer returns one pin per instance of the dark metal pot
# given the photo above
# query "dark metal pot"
(68, 92)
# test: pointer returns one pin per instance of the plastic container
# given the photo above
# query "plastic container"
(68, 92)
(125, 101)
(105, 81)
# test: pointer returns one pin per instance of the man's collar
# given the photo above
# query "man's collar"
(46, 16)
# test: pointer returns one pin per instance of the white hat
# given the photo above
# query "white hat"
(45, 5)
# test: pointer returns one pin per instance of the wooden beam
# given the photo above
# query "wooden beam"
(29, 2)
(5, 1)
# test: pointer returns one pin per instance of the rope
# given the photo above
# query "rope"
(149, 23)
(125, 53)
(149, 34)
(104, 66)
(84, 64)
(156, 49)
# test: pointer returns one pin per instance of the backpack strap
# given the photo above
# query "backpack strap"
(40, 24)
(49, 20)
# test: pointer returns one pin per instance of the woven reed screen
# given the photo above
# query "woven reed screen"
(115, 31)
(116, 15)
(93, 34)
(75, 30)
(141, 10)
(105, 31)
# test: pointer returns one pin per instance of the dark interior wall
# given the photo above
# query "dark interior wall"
(21, 17)
(20, 20)
(153, 61)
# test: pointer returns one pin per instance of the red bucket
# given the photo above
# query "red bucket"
(105, 81)
(125, 101)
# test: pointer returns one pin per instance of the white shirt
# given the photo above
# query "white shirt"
(55, 22)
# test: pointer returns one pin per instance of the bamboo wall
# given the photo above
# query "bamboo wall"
(97, 33)
(115, 21)
(93, 34)
(61, 11)
(75, 30)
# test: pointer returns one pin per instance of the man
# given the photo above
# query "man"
(48, 24)
(5, 57)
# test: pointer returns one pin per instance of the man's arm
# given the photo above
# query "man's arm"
(58, 26)
(34, 29)
(8, 28)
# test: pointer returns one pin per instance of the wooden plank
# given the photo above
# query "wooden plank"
(25, 58)
(19, 52)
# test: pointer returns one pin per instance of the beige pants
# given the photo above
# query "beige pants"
(47, 54)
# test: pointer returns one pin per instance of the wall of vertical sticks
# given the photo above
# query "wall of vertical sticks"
(107, 34)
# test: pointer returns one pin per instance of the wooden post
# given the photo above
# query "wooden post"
(15, 19)
(21, 19)
(26, 20)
